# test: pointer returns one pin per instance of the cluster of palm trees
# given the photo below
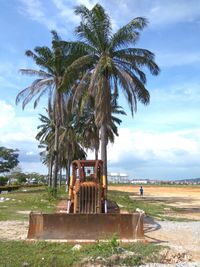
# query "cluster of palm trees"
(82, 80)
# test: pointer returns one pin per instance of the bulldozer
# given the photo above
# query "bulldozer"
(87, 190)
(87, 215)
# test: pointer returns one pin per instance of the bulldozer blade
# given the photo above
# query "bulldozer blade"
(85, 227)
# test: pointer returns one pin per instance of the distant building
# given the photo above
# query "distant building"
(142, 181)
(120, 178)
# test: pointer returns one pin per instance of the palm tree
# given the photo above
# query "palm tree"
(86, 128)
(69, 148)
(110, 63)
(53, 63)
(46, 137)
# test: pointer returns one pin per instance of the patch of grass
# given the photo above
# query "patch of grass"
(18, 253)
(152, 208)
(124, 199)
(28, 199)
(176, 219)
(144, 253)
(46, 254)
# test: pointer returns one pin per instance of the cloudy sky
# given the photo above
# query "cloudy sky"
(163, 139)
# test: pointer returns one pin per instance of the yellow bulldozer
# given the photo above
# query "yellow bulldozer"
(88, 214)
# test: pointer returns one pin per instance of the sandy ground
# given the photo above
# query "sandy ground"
(178, 235)
(13, 230)
(186, 198)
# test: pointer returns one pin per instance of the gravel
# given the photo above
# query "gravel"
(185, 264)
(182, 236)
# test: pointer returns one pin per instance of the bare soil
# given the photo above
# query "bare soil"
(186, 199)
(13, 230)
(181, 236)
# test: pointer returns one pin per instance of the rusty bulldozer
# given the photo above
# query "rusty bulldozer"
(88, 215)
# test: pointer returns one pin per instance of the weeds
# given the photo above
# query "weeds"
(45, 254)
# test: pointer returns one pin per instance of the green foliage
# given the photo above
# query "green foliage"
(51, 193)
(104, 249)
(20, 176)
(8, 159)
(9, 187)
(47, 254)
(109, 61)
(3, 180)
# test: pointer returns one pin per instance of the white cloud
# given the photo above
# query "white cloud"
(158, 12)
(145, 153)
(167, 12)
(37, 12)
(88, 3)
(65, 12)
(7, 114)
(19, 132)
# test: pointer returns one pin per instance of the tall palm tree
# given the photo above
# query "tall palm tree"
(110, 63)
(53, 63)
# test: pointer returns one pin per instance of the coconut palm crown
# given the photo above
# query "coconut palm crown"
(111, 63)
(53, 63)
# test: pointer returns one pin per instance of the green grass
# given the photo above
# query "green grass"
(151, 208)
(130, 205)
(40, 199)
(33, 199)
(45, 254)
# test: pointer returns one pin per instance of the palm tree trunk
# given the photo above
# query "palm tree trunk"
(60, 177)
(68, 174)
(50, 171)
(57, 121)
(104, 150)
(96, 153)
(56, 146)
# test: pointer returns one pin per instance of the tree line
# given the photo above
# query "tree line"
(82, 80)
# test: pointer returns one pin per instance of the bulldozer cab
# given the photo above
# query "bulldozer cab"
(87, 171)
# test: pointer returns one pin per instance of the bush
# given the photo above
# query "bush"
(9, 188)
(51, 193)
(3, 180)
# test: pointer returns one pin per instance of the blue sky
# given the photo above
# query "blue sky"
(163, 139)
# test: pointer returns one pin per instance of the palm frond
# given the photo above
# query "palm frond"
(33, 72)
(128, 34)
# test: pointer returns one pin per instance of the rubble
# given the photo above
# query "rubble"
(77, 247)
(169, 256)
(3, 199)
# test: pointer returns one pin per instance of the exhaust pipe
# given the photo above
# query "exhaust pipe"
(105, 206)
(68, 206)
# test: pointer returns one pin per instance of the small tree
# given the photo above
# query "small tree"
(8, 159)
(3, 180)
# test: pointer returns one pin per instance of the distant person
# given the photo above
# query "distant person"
(141, 191)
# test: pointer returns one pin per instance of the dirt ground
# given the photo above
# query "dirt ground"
(187, 198)
(181, 236)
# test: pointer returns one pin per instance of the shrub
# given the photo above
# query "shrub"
(3, 180)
